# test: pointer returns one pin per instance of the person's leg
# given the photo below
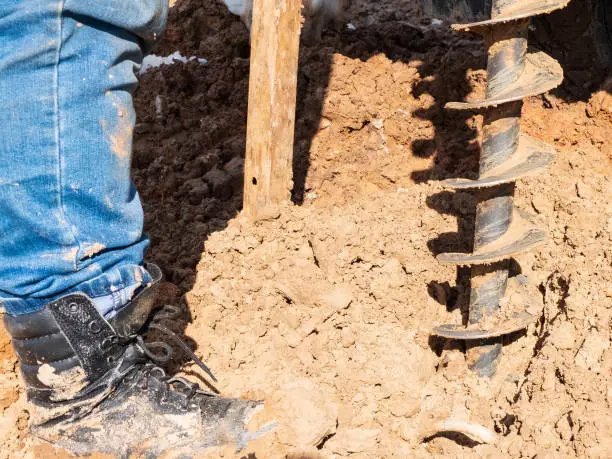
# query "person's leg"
(71, 242)
(70, 217)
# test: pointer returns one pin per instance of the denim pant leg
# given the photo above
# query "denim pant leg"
(70, 217)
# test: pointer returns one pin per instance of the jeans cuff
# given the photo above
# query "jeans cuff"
(108, 283)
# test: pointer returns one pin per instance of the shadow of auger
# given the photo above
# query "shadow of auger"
(454, 146)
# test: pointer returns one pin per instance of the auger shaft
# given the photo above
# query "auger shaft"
(501, 231)
(488, 283)
(494, 211)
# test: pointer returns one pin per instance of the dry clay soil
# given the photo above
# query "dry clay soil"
(324, 310)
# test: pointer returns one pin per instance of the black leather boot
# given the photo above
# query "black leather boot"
(95, 386)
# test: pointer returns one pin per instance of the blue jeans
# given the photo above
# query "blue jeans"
(70, 216)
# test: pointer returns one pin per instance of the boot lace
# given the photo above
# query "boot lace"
(161, 352)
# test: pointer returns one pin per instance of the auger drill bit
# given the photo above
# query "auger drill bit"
(501, 230)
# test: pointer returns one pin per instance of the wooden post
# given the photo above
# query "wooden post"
(275, 36)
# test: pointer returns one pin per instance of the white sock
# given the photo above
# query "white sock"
(109, 305)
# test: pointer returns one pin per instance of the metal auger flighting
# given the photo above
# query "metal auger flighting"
(501, 230)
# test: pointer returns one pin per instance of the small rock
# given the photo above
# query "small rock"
(324, 124)
(542, 204)
(167, 293)
(293, 338)
(563, 427)
(511, 444)
(339, 298)
(198, 193)
(408, 431)
(234, 166)
(206, 162)
(8, 395)
(390, 277)
(9, 424)
(305, 356)
(220, 182)
(591, 351)
(487, 451)
(143, 128)
(404, 405)
(348, 338)
(235, 169)
(292, 318)
(235, 147)
(7, 428)
(583, 190)
(377, 123)
(454, 366)
(219, 90)
(7, 355)
(601, 101)
(350, 441)
(550, 380)
(5, 340)
(395, 272)
(563, 336)
(305, 413)
(439, 291)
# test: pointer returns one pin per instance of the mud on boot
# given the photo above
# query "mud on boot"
(96, 388)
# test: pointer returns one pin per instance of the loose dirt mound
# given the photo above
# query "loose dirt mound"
(324, 312)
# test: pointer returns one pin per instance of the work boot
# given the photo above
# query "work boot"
(96, 388)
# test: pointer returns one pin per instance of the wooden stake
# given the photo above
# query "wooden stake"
(275, 36)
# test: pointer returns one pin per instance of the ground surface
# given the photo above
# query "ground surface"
(324, 311)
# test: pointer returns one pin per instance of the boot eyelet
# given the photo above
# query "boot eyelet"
(106, 344)
(94, 327)
(73, 307)
(110, 359)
